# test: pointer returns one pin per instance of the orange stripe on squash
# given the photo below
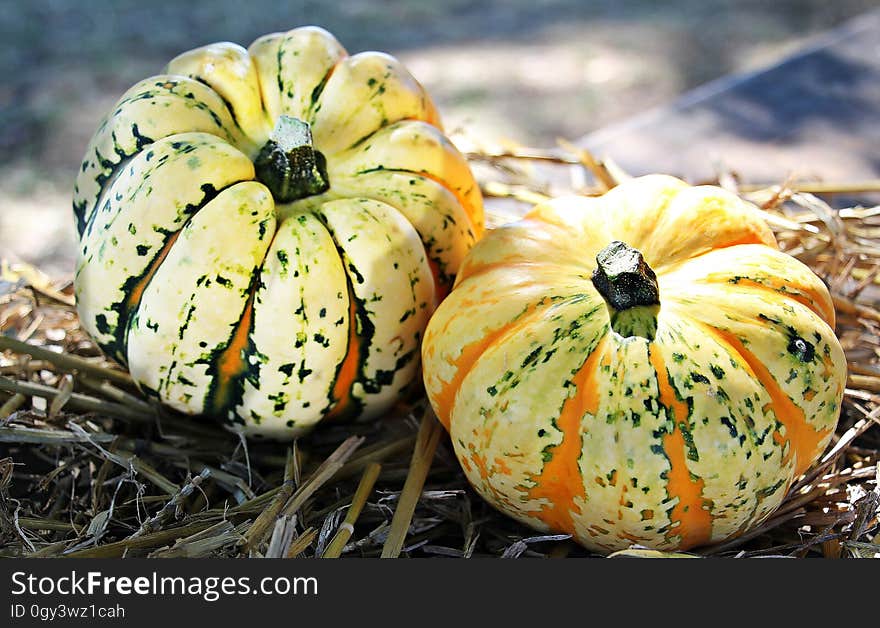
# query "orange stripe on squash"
(691, 512)
(137, 291)
(348, 370)
(231, 363)
(471, 211)
(444, 399)
(804, 440)
(750, 237)
(561, 482)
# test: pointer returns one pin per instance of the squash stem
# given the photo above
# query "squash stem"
(288, 163)
(629, 287)
(624, 278)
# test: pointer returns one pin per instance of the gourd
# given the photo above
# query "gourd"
(263, 233)
(644, 367)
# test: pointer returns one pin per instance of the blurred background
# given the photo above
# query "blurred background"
(521, 71)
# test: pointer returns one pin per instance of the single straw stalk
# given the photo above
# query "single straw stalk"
(346, 529)
(428, 437)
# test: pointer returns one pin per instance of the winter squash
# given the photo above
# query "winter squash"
(264, 233)
(644, 367)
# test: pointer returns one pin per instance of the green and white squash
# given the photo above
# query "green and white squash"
(264, 233)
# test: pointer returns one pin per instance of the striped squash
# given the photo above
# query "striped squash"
(644, 367)
(264, 233)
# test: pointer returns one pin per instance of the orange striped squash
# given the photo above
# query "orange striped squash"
(644, 367)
